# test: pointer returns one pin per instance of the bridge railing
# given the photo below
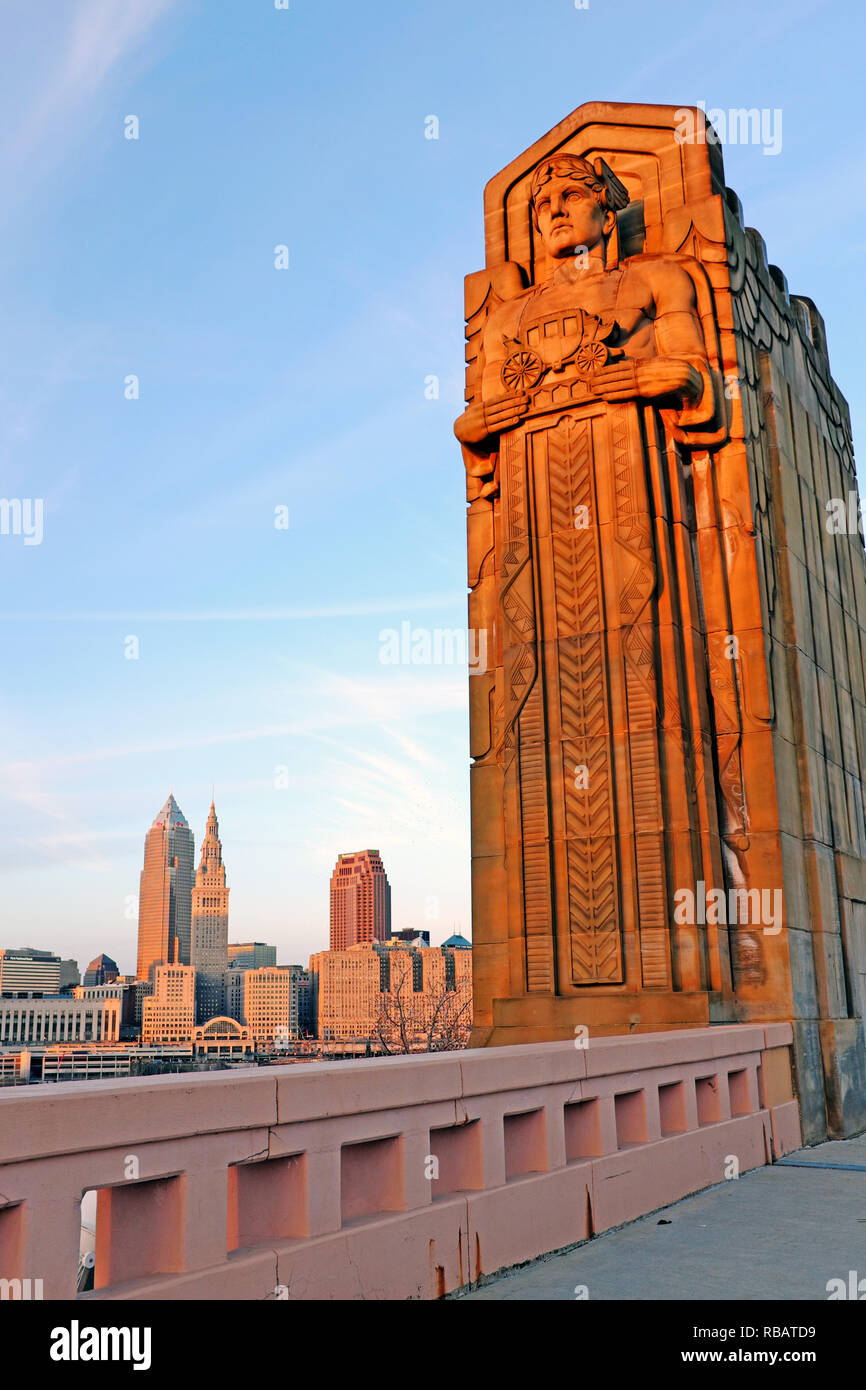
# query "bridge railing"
(394, 1178)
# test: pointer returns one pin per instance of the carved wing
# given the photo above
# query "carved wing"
(485, 291)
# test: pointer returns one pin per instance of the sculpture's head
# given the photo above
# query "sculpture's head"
(570, 206)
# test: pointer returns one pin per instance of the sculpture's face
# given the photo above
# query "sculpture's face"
(568, 216)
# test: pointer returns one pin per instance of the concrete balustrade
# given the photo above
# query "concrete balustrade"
(400, 1177)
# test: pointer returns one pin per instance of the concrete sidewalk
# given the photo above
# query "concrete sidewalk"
(774, 1233)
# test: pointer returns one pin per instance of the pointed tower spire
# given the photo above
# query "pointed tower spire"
(210, 916)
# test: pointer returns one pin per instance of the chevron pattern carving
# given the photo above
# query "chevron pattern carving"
(523, 732)
(634, 537)
(596, 950)
(537, 896)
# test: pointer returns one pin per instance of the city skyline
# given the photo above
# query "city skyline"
(168, 822)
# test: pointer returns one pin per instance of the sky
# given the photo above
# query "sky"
(171, 392)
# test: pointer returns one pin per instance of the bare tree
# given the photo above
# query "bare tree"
(411, 1020)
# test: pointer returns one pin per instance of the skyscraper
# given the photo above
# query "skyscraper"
(210, 925)
(165, 893)
(24, 970)
(101, 971)
(360, 900)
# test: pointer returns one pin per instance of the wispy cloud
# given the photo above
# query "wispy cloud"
(356, 703)
(73, 65)
(400, 801)
(361, 608)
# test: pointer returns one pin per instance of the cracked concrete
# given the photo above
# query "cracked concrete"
(783, 1232)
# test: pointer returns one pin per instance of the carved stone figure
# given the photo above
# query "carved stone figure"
(625, 742)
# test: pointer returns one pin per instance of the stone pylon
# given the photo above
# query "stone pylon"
(669, 740)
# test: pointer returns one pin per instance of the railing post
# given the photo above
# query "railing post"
(323, 1191)
(50, 1248)
(418, 1187)
(493, 1148)
(554, 1117)
(205, 1217)
(607, 1106)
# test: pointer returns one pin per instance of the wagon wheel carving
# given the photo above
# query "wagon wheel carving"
(522, 371)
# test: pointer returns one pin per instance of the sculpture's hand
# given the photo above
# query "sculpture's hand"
(669, 376)
(656, 376)
(484, 419)
(504, 412)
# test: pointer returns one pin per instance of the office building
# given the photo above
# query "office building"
(139, 990)
(101, 971)
(165, 892)
(346, 988)
(168, 1015)
(250, 955)
(360, 900)
(233, 987)
(129, 991)
(69, 976)
(59, 1020)
(272, 1001)
(210, 925)
(398, 996)
(24, 970)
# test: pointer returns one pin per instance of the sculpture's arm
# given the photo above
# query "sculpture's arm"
(481, 423)
(680, 337)
(478, 430)
(479, 444)
(680, 367)
(680, 330)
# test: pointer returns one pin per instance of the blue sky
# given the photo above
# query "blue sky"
(259, 649)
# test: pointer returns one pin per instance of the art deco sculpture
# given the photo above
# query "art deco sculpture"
(629, 359)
